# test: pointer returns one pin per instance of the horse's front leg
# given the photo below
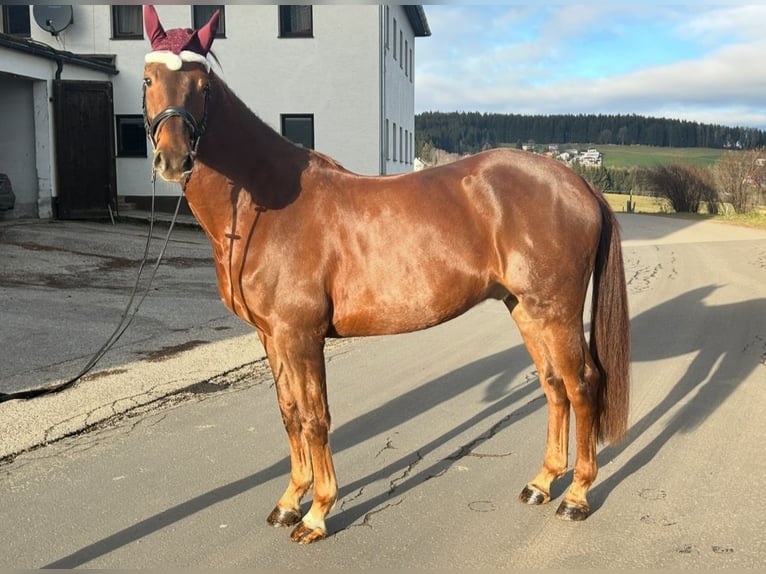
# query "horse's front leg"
(297, 362)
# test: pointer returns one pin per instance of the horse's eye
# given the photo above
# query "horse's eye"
(147, 82)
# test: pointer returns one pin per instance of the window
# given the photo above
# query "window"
(412, 69)
(394, 38)
(131, 136)
(406, 146)
(401, 147)
(406, 60)
(16, 20)
(203, 12)
(299, 129)
(386, 26)
(393, 133)
(295, 22)
(401, 48)
(387, 143)
(127, 22)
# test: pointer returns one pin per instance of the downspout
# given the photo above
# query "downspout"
(59, 68)
(383, 152)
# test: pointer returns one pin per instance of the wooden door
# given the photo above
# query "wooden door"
(85, 165)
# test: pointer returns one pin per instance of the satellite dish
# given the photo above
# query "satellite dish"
(53, 19)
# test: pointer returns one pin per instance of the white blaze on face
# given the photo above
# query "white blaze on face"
(175, 61)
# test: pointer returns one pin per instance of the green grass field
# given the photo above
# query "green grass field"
(648, 156)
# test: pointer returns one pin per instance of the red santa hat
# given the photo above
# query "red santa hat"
(179, 45)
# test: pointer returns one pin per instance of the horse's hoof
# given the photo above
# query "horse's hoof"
(283, 517)
(302, 534)
(572, 512)
(533, 496)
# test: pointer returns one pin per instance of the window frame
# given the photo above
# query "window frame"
(286, 33)
(7, 9)
(115, 11)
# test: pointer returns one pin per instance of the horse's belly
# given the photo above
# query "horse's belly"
(406, 308)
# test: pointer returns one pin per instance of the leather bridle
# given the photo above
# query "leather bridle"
(196, 130)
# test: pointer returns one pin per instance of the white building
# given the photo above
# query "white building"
(337, 78)
(592, 158)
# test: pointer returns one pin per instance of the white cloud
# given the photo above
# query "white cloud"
(522, 71)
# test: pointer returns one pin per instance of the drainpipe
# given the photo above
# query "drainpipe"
(383, 152)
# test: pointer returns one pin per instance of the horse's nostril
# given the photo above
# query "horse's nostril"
(158, 160)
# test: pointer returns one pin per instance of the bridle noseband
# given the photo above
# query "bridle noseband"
(196, 130)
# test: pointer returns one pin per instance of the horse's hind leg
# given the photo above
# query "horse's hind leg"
(571, 357)
(538, 490)
(571, 371)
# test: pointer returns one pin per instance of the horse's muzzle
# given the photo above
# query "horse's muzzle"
(175, 167)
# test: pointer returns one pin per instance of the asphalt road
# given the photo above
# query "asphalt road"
(435, 433)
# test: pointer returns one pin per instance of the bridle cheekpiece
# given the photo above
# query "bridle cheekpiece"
(196, 130)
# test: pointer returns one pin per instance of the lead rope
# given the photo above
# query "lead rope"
(125, 319)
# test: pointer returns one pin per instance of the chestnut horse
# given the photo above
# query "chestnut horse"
(305, 249)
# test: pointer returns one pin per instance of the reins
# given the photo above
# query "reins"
(125, 319)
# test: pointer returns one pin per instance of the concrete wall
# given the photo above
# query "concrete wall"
(17, 144)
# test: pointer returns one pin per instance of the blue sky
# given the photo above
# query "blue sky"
(704, 63)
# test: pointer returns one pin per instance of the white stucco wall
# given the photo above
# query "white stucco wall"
(335, 75)
(399, 102)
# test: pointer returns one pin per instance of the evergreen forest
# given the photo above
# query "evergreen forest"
(469, 132)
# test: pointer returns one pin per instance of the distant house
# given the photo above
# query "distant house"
(592, 158)
(337, 78)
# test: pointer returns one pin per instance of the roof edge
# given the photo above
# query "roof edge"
(100, 63)
(417, 17)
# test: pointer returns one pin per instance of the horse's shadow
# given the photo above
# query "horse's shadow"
(721, 363)
(500, 368)
(719, 366)
(717, 369)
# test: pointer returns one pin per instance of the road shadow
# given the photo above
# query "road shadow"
(500, 368)
(717, 369)
(720, 364)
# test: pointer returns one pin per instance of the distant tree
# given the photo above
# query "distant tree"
(686, 187)
(740, 175)
(622, 134)
(426, 152)
(468, 132)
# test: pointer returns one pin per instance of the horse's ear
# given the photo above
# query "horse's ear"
(206, 34)
(154, 29)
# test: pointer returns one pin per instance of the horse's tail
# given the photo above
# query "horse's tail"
(610, 329)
